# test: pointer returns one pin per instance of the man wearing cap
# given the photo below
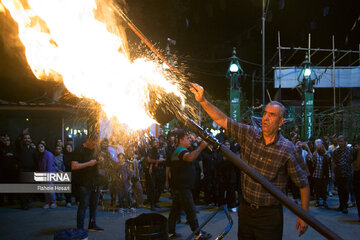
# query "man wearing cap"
(274, 157)
(87, 178)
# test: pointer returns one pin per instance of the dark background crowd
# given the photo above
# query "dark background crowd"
(134, 174)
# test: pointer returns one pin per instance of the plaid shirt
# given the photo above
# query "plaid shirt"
(318, 161)
(343, 162)
(275, 162)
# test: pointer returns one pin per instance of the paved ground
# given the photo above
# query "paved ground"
(38, 223)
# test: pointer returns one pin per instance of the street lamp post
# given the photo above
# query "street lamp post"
(233, 74)
(307, 78)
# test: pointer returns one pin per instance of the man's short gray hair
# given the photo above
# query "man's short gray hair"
(282, 107)
(342, 137)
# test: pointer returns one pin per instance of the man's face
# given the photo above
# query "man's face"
(185, 141)
(227, 144)
(341, 142)
(58, 150)
(27, 139)
(59, 143)
(7, 141)
(272, 119)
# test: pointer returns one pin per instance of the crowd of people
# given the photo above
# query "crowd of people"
(333, 164)
(148, 168)
(22, 156)
(100, 166)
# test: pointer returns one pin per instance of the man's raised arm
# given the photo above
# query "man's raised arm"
(216, 114)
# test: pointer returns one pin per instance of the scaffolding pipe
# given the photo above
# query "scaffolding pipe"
(315, 51)
(333, 80)
(279, 66)
(320, 50)
(291, 56)
(357, 60)
(324, 59)
(273, 56)
(252, 88)
(309, 47)
(342, 57)
(263, 50)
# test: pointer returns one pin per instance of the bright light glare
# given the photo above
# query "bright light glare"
(234, 68)
(307, 72)
(165, 66)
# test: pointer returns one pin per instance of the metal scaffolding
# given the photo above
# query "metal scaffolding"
(337, 56)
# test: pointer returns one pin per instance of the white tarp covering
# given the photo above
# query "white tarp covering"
(345, 77)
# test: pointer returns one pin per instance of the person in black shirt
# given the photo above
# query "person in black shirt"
(8, 167)
(67, 159)
(226, 176)
(25, 154)
(154, 174)
(182, 178)
(169, 150)
(87, 179)
(210, 181)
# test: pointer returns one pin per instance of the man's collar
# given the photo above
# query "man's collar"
(182, 146)
(260, 136)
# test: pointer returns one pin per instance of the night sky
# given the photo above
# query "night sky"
(206, 32)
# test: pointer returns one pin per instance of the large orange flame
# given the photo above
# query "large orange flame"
(64, 41)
